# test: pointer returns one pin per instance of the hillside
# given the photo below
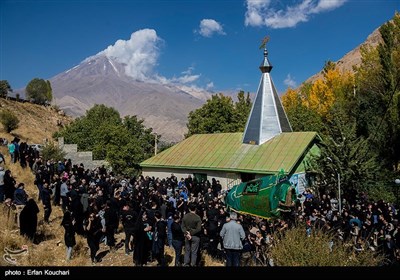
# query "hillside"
(353, 57)
(37, 123)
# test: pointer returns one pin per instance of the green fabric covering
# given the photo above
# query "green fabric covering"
(264, 202)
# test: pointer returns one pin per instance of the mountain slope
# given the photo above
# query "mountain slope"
(102, 80)
(353, 57)
(36, 122)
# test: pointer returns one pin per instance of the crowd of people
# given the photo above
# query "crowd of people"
(183, 214)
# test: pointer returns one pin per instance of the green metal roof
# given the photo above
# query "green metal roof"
(226, 152)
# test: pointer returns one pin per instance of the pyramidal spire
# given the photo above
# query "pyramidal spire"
(267, 117)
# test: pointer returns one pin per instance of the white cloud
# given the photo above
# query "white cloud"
(326, 5)
(209, 26)
(188, 71)
(290, 82)
(139, 53)
(210, 85)
(186, 78)
(261, 12)
(253, 16)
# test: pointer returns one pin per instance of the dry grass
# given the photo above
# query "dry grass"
(36, 122)
(207, 260)
(296, 249)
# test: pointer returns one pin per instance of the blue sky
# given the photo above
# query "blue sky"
(210, 44)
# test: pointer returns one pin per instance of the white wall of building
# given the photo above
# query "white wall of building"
(225, 179)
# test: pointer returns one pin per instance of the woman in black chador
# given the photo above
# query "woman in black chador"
(93, 234)
(143, 239)
(69, 235)
(28, 219)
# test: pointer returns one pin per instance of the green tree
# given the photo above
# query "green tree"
(220, 114)
(143, 135)
(360, 125)
(242, 110)
(349, 152)
(378, 95)
(123, 143)
(4, 88)
(39, 91)
(9, 120)
(89, 130)
(346, 153)
(49, 93)
(52, 151)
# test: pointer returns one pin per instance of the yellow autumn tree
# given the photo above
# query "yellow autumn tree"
(320, 95)
(332, 87)
(291, 99)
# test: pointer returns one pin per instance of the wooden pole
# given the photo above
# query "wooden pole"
(155, 144)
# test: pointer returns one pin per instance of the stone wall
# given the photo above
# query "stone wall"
(76, 157)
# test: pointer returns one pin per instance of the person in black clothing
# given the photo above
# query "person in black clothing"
(129, 218)
(28, 219)
(57, 190)
(46, 200)
(143, 237)
(212, 230)
(76, 210)
(159, 238)
(178, 238)
(9, 185)
(246, 258)
(102, 170)
(111, 218)
(23, 147)
(39, 182)
(69, 235)
(93, 234)
(217, 188)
